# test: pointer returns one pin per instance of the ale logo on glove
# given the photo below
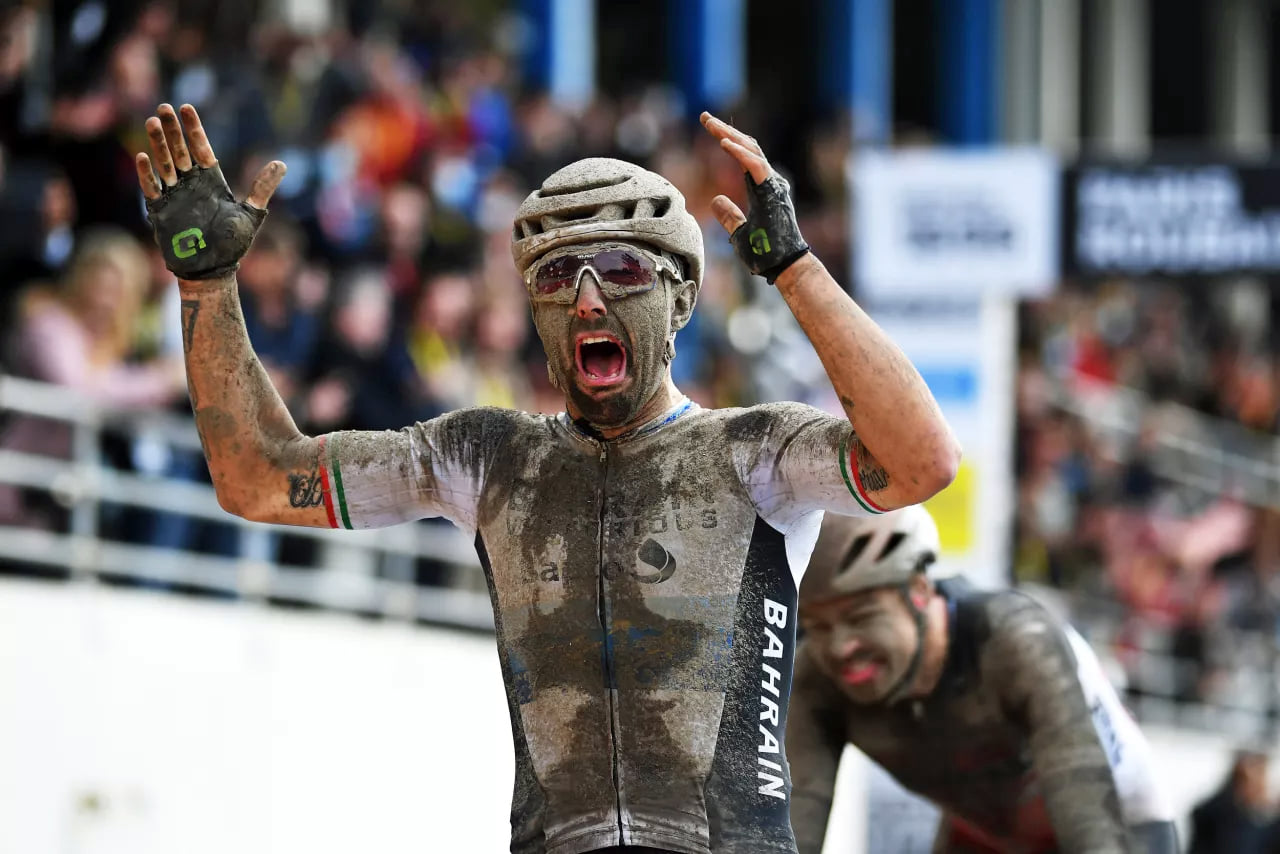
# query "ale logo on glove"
(187, 243)
(759, 240)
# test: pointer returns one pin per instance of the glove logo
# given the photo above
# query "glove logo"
(759, 240)
(187, 243)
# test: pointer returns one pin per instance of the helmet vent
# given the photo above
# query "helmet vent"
(895, 540)
(550, 222)
(585, 187)
(660, 207)
(855, 551)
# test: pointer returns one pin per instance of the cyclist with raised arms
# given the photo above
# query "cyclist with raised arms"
(639, 550)
(980, 702)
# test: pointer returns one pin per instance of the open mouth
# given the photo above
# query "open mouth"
(861, 670)
(601, 358)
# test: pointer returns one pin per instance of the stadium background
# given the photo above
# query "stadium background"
(1063, 209)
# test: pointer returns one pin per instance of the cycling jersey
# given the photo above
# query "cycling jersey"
(1023, 743)
(644, 593)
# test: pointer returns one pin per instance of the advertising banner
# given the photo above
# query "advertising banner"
(956, 222)
(963, 350)
(1190, 219)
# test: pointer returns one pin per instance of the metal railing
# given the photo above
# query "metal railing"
(1217, 458)
(1187, 447)
(357, 571)
(1232, 688)
(372, 572)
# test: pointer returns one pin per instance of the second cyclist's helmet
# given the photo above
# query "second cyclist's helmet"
(854, 554)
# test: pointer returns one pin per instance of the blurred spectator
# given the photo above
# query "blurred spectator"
(18, 44)
(439, 336)
(1238, 819)
(37, 213)
(80, 334)
(388, 127)
(281, 314)
(406, 234)
(364, 378)
(501, 332)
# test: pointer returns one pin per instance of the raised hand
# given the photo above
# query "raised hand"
(201, 229)
(766, 238)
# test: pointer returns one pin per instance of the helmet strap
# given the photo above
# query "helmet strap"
(903, 686)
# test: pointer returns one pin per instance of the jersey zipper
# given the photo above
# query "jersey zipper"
(606, 628)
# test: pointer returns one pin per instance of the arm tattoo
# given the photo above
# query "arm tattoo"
(306, 488)
(873, 476)
(190, 309)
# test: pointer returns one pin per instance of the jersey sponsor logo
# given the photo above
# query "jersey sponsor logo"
(1106, 733)
(652, 554)
(661, 521)
(769, 773)
(653, 564)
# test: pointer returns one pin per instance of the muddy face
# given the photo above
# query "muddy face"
(607, 354)
(865, 642)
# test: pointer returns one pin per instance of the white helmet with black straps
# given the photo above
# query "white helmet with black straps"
(600, 198)
(863, 553)
(888, 551)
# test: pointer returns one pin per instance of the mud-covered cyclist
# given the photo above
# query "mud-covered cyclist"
(979, 701)
(638, 548)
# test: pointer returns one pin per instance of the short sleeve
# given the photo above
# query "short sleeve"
(795, 460)
(433, 468)
(1128, 753)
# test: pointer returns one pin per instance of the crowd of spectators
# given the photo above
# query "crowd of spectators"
(381, 289)
(1240, 817)
(1111, 509)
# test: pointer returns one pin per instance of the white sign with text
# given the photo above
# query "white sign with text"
(959, 223)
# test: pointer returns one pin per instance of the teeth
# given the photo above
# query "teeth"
(597, 339)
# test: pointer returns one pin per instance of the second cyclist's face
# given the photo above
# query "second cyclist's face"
(864, 643)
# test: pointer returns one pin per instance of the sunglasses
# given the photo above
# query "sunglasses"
(623, 271)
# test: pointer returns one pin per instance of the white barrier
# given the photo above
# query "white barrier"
(136, 723)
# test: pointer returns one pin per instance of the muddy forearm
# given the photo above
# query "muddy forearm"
(884, 397)
(249, 438)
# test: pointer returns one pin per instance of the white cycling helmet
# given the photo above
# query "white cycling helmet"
(863, 553)
(600, 198)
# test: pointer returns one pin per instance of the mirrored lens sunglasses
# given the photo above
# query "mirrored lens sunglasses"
(623, 271)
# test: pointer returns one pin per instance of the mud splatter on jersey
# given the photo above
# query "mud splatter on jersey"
(644, 593)
(1023, 743)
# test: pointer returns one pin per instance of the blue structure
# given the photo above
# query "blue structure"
(561, 57)
(856, 67)
(968, 71)
(709, 38)
(855, 44)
